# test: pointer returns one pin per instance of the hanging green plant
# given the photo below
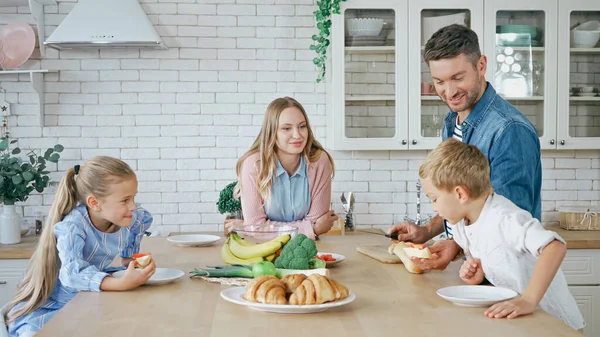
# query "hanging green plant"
(321, 41)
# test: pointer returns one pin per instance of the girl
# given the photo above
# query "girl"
(92, 219)
(286, 175)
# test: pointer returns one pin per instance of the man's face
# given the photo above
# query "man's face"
(457, 81)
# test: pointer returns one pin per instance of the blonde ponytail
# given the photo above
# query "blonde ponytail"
(43, 268)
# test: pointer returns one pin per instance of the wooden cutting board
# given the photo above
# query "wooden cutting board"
(379, 253)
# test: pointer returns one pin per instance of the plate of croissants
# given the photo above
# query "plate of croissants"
(293, 294)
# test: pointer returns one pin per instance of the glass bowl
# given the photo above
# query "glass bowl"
(264, 233)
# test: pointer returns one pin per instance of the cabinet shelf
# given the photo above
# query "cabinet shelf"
(36, 7)
(371, 50)
(370, 98)
(585, 99)
(36, 77)
(585, 50)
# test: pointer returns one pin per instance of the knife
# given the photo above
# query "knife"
(391, 236)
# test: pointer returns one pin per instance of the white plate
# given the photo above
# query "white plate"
(338, 258)
(236, 295)
(194, 240)
(161, 276)
(476, 296)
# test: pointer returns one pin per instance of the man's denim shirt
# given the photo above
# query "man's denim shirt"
(511, 144)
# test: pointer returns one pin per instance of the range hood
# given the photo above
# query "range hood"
(105, 24)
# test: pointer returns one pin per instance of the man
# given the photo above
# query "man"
(480, 117)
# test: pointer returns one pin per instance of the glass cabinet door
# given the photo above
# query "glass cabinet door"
(369, 108)
(579, 75)
(427, 108)
(520, 44)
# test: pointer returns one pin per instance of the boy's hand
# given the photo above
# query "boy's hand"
(511, 309)
(471, 272)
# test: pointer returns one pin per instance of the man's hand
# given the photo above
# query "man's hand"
(409, 232)
(442, 253)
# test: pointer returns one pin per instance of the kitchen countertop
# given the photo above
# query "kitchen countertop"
(575, 240)
(578, 239)
(390, 301)
(22, 250)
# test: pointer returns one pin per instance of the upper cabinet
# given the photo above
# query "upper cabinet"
(368, 76)
(578, 75)
(427, 111)
(543, 57)
(520, 43)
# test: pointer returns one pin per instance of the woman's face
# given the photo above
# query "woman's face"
(292, 131)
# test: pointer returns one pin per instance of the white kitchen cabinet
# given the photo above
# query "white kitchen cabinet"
(588, 301)
(369, 81)
(427, 112)
(12, 272)
(579, 113)
(380, 98)
(582, 271)
(516, 61)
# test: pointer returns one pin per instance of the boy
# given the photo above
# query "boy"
(503, 242)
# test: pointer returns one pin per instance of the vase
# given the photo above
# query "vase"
(232, 215)
(10, 226)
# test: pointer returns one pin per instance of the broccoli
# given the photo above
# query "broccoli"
(298, 253)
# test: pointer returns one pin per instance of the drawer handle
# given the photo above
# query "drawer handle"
(2, 282)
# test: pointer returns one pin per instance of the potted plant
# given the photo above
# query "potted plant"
(19, 179)
(228, 204)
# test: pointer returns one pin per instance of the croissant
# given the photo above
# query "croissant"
(266, 289)
(292, 282)
(318, 289)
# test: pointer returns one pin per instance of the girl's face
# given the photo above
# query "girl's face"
(119, 205)
(292, 131)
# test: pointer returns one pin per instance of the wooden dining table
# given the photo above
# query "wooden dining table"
(389, 302)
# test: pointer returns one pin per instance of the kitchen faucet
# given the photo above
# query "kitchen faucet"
(419, 221)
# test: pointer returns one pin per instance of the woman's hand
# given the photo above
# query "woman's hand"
(325, 222)
(232, 223)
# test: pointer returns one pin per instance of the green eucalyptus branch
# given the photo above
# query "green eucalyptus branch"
(321, 41)
(18, 178)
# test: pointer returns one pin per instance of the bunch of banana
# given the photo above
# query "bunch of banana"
(236, 250)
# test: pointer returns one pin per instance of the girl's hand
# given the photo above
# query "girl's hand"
(471, 272)
(325, 222)
(134, 278)
(511, 309)
(126, 260)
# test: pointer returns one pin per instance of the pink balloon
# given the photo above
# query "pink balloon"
(18, 42)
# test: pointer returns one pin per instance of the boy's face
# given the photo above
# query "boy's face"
(446, 203)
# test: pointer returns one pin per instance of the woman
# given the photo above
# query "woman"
(286, 175)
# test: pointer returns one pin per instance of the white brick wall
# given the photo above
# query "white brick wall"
(182, 117)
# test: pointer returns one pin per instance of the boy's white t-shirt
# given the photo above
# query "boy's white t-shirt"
(508, 240)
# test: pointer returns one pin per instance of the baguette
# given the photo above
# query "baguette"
(398, 249)
(420, 251)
